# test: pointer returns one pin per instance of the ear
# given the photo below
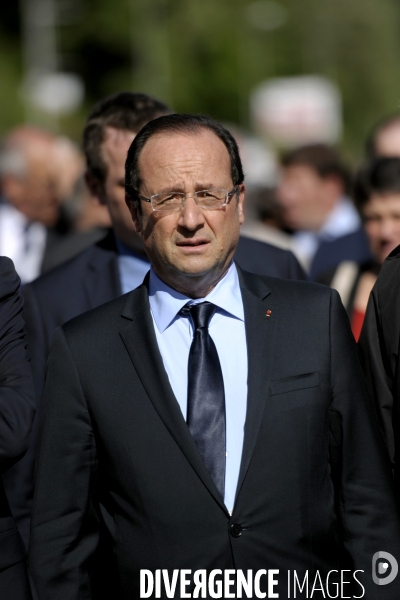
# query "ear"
(242, 189)
(95, 187)
(135, 213)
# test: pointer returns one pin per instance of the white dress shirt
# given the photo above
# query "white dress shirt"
(22, 241)
(174, 335)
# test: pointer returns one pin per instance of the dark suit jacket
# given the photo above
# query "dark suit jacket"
(16, 416)
(64, 245)
(379, 346)
(92, 278)
(314, 490)
(353, 246)
(87, 281)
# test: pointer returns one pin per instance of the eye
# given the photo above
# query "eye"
(212, 194)
(168, 198)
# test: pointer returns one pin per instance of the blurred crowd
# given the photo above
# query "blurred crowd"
(339, 224)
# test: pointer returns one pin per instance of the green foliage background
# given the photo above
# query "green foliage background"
(206, 56)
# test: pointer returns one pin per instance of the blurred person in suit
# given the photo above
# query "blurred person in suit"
(210, 418)
(37, 169)
(30, 206)
(312, 194)
(16, 416)
(376, 194)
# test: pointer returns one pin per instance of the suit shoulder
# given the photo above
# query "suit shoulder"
(60, 277)
(289, 289)
(97, 319)
(390, 268)
(386, 288)
(251, 245)
(9, 280)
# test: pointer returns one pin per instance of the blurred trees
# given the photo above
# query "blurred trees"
(206, 56)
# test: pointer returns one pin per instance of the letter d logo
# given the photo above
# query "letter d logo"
(381, 574)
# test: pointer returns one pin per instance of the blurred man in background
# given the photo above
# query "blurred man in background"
(16, 416)
(30, 205)
(313, 198)
(37, 172)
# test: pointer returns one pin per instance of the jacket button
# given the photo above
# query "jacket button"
(236, 530)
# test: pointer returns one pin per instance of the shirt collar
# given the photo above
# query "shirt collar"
(165, 302)
(342, 220)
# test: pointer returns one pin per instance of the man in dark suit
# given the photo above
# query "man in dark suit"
(16, 416)
(209, 419)
(112, 266)
(379, 346)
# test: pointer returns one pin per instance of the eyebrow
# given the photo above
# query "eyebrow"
(180, 188)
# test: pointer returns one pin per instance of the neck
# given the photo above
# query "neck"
(193, 286)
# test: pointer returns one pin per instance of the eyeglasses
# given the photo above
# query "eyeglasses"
(206, 199)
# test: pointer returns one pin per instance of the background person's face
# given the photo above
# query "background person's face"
(381, 217)
(388, 141)
(191, 248)
(305, 198)
(114, 150)
(35, 194)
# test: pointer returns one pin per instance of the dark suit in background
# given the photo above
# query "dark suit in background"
(16, 416)
(83, 283)
(353, 246)
(314, 490)
(379, 345)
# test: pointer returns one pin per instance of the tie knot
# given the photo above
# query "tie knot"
(202, 314)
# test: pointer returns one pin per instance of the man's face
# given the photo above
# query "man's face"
(305, 198)
(35, 194)
(192, 248)
(381, 217)
(114, 150)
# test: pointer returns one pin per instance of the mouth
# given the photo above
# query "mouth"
(193, 245)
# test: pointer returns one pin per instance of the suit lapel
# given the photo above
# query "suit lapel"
(260, 336)
(140, 341)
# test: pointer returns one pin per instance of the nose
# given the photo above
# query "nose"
(191, 215)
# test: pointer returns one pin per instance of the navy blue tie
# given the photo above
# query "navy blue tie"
(206, 396)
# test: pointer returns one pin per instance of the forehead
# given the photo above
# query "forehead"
(176, 157)
(300, 171)
(388, 140)
(386, 202)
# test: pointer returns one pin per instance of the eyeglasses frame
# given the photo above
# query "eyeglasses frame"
(228, 197)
